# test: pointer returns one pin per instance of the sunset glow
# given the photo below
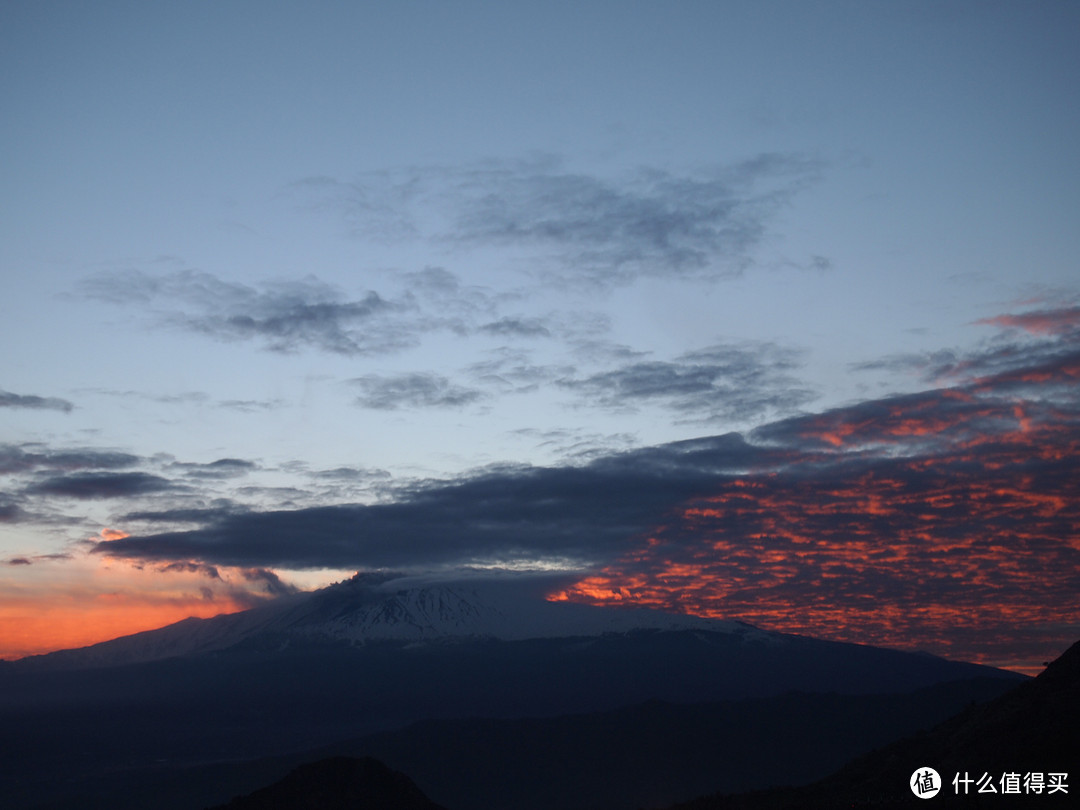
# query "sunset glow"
(56, 604)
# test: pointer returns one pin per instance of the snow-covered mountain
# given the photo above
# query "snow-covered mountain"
(371, 608)
(376, 654)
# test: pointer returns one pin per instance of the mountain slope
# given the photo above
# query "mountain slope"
(367, 656)
(1032, 728)
(371, 608)
(341, 783)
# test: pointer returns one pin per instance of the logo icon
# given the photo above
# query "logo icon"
(925, 782)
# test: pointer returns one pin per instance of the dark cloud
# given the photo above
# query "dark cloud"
(724, 382)
(37, 558)
(94, 485)
(197, 515)
(31, 457)
(269, 582)
(586, 513)
(10, 511)
(416, 390)
(283, 316)
(9, 400)
(202, 569)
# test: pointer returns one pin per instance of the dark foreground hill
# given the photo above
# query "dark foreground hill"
(649, 755)
(1032, 729)
(340, 783)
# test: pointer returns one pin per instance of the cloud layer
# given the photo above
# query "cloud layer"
(947, 514)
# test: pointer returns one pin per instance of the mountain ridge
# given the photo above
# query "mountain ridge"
(369, 608)
(372, 655)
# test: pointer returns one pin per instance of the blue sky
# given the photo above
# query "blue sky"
(262, 257)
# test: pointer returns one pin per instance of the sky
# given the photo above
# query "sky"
(760, 310)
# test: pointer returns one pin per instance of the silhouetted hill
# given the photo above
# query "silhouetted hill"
(1035, 727)
(649, 754)
(655, 753)
(340, 783)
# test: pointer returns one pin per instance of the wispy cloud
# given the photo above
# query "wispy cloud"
(581, 227)
(414, 390)
(730, 382)
(290, 316)
(517, 327)
(31, 401)
(222, 469)
(282, 316)
(1040, 348)
(30, 457)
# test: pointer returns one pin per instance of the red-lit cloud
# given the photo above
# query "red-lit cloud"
(1040, 322)
(947, 520)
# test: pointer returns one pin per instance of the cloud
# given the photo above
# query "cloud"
(196, 515)
(10, 512)
(584, 227)
(653, 223)
(9, 400)
(268, 582)
(736, 382)
(941, 521)
(222, 469)
(517, 327)
(944, 519)
(504, 514)
(1059, 322)
(512, 371)
(415, 390)
(29, 457)
(283, 316)
(95, 485)
(308, 314)
(1041, 347)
